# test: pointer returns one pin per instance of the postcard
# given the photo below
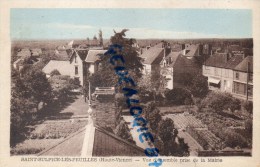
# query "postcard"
(129, 83)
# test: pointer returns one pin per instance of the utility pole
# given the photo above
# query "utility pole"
(247, 79)
(89, 94)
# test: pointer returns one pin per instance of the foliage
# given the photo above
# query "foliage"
(123, 131)
(26, 94)
(248, 105)
(196, 84)
(222, 101)
(61, 86)
(167, 137)
(165, 130)
(106, 75)
(233, 139)
(55, 72)
(199, 86)
(24, 151)
(38, 86)
(177, 96)
(54, 130)
(152, 115)
(120, 100)
(152, 82)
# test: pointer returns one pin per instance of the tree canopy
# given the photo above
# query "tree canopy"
(106, 75)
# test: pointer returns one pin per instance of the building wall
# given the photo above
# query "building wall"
(92, 68)
(241, 89)
(183, 66)
(168, 73)
(77, 62)
(224, 75)
(234, 82)
(147, 68)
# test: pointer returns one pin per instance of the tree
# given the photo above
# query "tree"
(123, 131)
(222, 101)
(154, 82)
(165, 130)
(38, 86)
(61, 86)
(199, 86)
(178, 96)
(55, 72)
(26, 93)
(248, 105)
(106, 75)
(152, 114)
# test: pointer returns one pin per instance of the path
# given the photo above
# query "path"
(78, 108)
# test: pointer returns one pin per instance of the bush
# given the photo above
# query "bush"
(55, 72)
(178, 96)
(221, 101)
(152, 115)
(123, 131)
(234, 139)
(24, 151)
(248, 105)
(146, 96)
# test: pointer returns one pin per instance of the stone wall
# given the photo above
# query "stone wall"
(104, 114)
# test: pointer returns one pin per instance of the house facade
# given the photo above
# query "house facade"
(224, 74)
(243, 79)
(175, 65)
(161, 59)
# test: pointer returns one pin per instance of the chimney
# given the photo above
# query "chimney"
(104, 116)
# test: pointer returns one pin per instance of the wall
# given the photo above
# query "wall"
(105, 114)
(77, 62)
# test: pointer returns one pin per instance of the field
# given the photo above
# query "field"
(48, 134)
(182, 121)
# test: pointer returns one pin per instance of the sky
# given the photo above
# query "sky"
(142, 23)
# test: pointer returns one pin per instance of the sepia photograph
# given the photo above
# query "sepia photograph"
(131, 82)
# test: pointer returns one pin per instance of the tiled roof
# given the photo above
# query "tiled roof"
(245, 65)
(234, 61)
(93, 141)
(173, 56)
(82, 53)
(62, 55)
(217, 60)
(70, 146)
(192, 50)
(93, 55)
(220, 60)
(152, 54)
(64, 67)
(107, 144)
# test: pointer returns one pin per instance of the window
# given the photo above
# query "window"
(237, 75)
(164, 64)
(240, 88)
(250, 90)
(214, 85)
(76, 70)
(250, 77)
(217, 72)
